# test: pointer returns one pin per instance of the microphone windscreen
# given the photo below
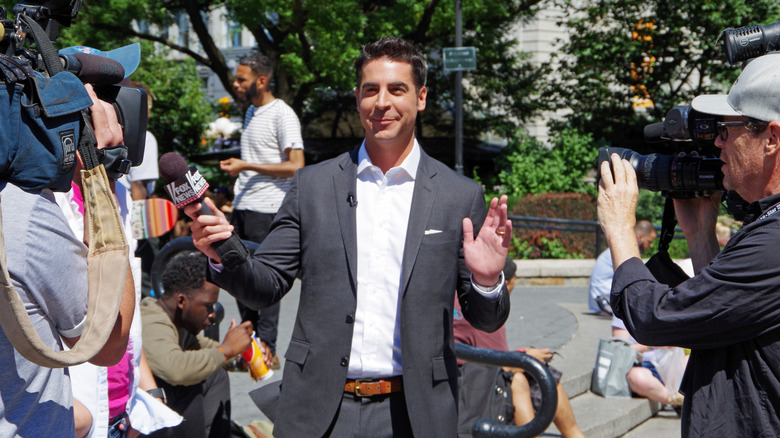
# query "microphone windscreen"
(654, 132)
(99, 70)
(173, 166)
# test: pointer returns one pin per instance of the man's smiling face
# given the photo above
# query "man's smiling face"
(388, 102)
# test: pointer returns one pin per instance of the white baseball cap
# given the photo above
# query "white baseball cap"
(755, 93)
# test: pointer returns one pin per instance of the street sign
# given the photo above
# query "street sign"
(460, 58)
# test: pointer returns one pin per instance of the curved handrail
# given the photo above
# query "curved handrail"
(485, 428)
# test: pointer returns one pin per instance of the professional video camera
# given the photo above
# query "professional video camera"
(679, 177)
(48, 111)
(691, 176)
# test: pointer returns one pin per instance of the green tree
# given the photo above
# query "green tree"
(662, 50)
(179, 113)
(313, 44)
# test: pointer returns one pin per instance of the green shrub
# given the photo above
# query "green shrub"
(527, 166)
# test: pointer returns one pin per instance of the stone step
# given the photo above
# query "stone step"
(598, 416)
(665, 424)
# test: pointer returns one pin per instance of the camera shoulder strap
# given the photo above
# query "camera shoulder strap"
(667, 226)
(661, 265)
(107, 259)
(50, 57)
(107, 262)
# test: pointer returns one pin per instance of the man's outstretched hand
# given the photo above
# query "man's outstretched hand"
(485, 256)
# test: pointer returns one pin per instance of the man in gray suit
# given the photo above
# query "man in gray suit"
(381, 235)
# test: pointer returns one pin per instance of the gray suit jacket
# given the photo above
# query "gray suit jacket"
(314, 232)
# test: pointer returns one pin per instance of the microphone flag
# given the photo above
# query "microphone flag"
(188, 188)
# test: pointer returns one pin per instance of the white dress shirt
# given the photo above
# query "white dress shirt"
(382, 217)
(384, 201)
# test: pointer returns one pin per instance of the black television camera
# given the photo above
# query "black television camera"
(679, 177)
(686, 176)
(692, 176)
(38, 115)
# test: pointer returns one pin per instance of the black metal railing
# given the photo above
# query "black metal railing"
(485, 428)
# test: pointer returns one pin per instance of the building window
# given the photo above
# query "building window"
(183, 22)
(234, 34)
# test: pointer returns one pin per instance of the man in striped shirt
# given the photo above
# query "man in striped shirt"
(271, 152)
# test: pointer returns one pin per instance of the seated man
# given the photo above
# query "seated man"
(526, 394)
(601, 277)
(186, 364)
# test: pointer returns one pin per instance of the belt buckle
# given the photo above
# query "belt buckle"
(357, 387)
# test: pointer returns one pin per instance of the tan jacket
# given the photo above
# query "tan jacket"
(174, 354)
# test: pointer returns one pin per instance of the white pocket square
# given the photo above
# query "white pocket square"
(427, 232)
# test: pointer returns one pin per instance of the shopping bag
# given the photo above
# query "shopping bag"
(614, 360)
(485, 391)
(670, 363)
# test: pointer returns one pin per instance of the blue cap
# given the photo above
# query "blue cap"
(129, 56)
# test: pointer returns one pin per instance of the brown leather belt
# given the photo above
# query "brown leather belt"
(369, 387)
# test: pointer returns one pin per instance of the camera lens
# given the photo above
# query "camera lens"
(684, 176)
(696, 173)
(653, 171)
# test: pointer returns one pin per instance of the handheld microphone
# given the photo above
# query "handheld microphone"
(185, 183)
(654, 132)
(93, 69)
(185, 186)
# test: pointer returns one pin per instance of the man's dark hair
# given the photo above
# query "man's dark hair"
(260, 65)
(398, 50)
(185, 274)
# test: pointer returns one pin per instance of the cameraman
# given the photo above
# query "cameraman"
(48, 267)
(728, 314)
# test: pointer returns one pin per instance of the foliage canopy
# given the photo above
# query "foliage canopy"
(662, 50)
(313, 44)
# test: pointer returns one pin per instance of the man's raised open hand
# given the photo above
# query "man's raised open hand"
(485, 256)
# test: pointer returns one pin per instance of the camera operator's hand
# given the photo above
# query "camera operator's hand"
(108, 131)
(618, 194)
(697, 218)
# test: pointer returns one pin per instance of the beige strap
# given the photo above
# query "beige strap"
(107, 263)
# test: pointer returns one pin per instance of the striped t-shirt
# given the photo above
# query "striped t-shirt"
(273, 129)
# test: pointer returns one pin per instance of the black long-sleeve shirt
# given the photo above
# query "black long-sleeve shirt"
(729, 316)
